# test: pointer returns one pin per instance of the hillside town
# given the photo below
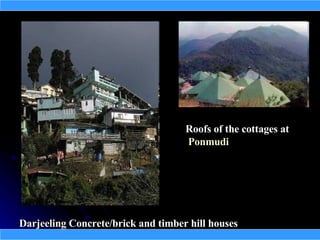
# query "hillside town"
(102, 135)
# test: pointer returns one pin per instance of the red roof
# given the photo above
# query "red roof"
(38, 170)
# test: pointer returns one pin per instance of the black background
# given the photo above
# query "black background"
(258, 181)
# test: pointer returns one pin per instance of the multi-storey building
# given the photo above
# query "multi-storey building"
(95, 86)
(29, 100)
(105, 92)
(55, 109)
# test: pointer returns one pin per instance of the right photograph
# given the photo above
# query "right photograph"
(244, 64)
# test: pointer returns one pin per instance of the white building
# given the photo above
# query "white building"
(122, 116)
(105, 92)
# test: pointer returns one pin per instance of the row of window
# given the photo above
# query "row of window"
(58, 112)
(54, 100)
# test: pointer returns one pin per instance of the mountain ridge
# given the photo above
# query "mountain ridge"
(279, 36)
(276, 51)
(239, 53)
(197, 45)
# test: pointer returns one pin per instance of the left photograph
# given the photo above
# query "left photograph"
(90, 129)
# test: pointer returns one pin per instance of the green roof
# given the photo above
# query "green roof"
(260, 93)
(244, 82)
(181, 80)
(202, 85)
(251, 74)
(200, 75)
(218, 91)
(224, 75)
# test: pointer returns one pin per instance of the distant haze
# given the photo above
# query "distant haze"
(199, 30)
(126, 51)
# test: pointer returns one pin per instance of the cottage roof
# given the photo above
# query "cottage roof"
(201, 85)
(224, 75)
(181, 80)
(261, 93)
(200, 75)
(244, 81)
(251, 74)
(218, 91)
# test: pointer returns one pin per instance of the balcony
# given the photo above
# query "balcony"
(107, 84)
(129, 122)
(106, 97)
(91, 136)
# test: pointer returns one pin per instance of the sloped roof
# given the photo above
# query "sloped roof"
(218, 91)
(135, 99)
(251, 74)
(244, 82)
(200, 75)
(201, 85)
(224, 75)
(260, 93)
(181, 80)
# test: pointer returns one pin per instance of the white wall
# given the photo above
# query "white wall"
(112, 148)
(87, 105)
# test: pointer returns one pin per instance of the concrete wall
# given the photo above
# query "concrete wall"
(73, 146)
(112, 148)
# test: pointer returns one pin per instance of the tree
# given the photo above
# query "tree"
(29, 150)
(62, 71)
(43, 144)
(24, 181)
(35, 61)
(229, 69)
(296, 91)
(57, 64)
(58, 191)
(69, 73)
(82, 191)
(143, 190)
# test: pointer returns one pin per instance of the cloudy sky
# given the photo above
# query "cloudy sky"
(191, 30)
(127, 51)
